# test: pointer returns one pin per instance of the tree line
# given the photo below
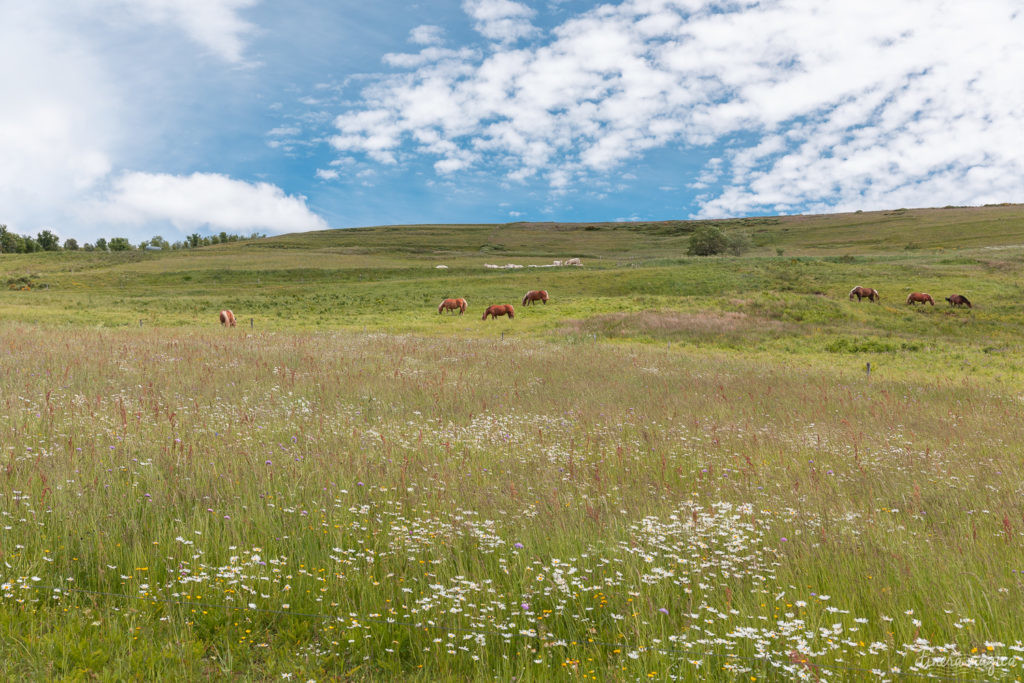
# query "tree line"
(13, 243)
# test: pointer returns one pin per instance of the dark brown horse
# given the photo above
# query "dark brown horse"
(920, 298)
(535, 295)
(958, 300)
(453, 305)
(499, 309)
(227, 318)
(864, 293)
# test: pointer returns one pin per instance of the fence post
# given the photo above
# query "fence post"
(503, 335)
(251, 323)
(140, 322)
(869, 369)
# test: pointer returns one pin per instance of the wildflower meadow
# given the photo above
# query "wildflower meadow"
(719, 493)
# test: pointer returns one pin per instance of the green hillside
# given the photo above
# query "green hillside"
(680, 468)
(787, 294)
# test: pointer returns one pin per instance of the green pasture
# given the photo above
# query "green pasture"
(636, 284)
(677, 469)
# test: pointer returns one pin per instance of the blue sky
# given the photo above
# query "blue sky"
(143, 117)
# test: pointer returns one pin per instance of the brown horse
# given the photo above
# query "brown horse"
(499, 309)
(535, 295)
(227, 318)
(864, 293)
(453, 305)
(920, 298)
(958, 300)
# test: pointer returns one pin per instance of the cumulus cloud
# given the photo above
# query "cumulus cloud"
(57, 136)
(203, 200)
(504, 21)
(807, 105)
(67, 123)
(427, 34)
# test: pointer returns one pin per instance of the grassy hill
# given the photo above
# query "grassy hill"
(678, 469)
(787, 295)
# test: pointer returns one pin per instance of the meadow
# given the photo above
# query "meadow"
(678, 469)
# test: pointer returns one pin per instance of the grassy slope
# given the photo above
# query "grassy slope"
(897, 493)
(637, 282)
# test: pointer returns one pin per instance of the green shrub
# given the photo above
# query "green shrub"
(708, 240)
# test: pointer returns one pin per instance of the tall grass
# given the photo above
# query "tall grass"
(181, 503)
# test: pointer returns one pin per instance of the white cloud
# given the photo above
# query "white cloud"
(327, 174)
(284, 131)
(427, 35)
(427, 55)
(503, 21)
(57, 131)
(814, 105)
(214, 24)
(203, 200)
(67, 123)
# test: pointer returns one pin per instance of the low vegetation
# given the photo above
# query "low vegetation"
(677, 468)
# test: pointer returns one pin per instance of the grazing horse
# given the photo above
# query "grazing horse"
(958, 300)
(227, 318)
(864, 293)
(920, 298)
(499, 309)
(535, 295)
(453, 305)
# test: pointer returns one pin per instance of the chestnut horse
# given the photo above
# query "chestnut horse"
(227, 318)
(958, 300)
(453, 305)
(920, 298)
(499, 309)
(864, 293)
(535, 295)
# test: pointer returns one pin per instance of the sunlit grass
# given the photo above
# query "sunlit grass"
(677, 468)
(181, 503)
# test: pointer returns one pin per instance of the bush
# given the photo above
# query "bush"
(708, 240)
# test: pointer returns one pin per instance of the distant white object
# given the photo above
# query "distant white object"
(572, 262)
(507, 266)
(150, 247)
(441, 267)
(556, 263)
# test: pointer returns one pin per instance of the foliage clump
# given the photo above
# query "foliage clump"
(709, 240)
